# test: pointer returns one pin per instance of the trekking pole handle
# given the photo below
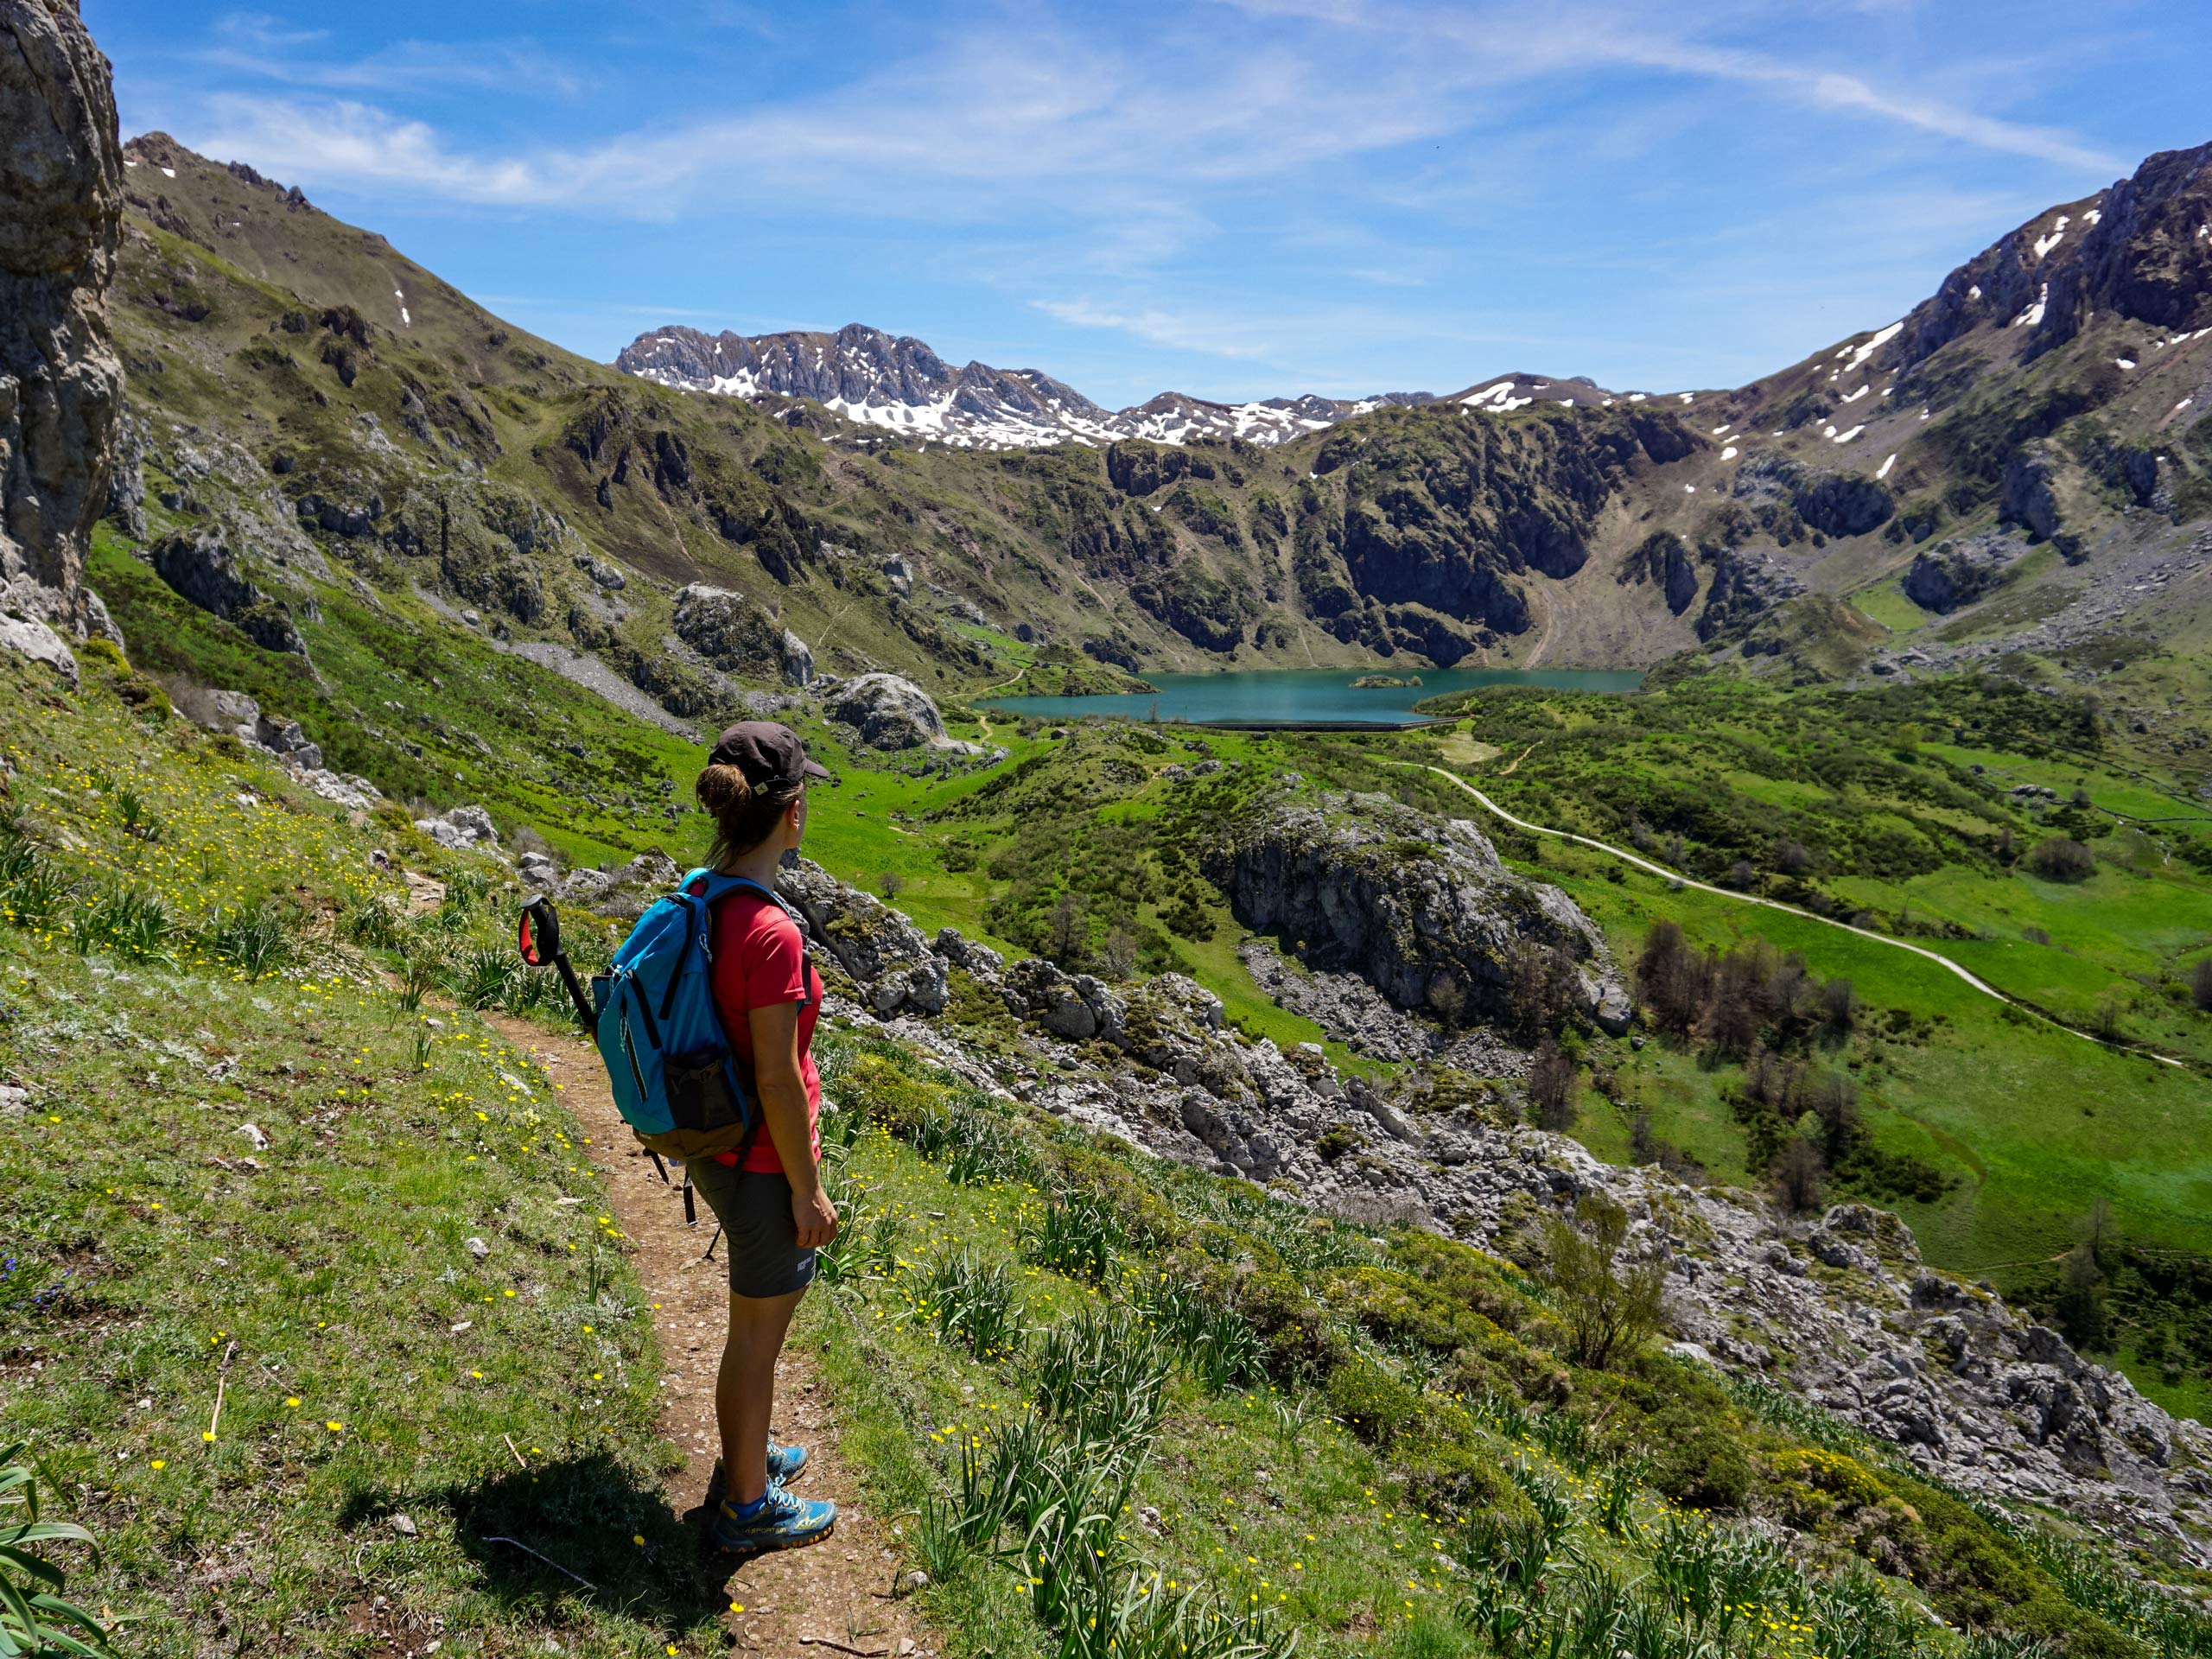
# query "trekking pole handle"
(537, 934)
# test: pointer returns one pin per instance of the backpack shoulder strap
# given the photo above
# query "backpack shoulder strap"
(743, 883)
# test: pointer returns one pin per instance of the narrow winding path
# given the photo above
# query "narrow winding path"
(1937, 958)
(822, 1603)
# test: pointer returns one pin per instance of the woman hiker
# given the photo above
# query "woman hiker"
(773, 1209)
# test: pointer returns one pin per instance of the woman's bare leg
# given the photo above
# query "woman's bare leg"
(745, 1390)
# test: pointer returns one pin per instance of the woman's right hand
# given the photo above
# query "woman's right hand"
(814, 1216)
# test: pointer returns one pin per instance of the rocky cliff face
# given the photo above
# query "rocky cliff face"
(2137, 248)
(1422, 908)
(61, 383)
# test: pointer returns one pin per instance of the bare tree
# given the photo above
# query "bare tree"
(1068, 931)
(1838, 1008)
(1551, 1087)
(2200, 985)
(891, 884)
(1118, 957)
(1800, 1174)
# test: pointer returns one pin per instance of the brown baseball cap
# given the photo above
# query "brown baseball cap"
(770, 756)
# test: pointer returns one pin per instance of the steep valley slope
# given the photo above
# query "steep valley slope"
(1981, 474)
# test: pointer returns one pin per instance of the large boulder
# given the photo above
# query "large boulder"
(61, 384)
(1421, 907)
(1955, 573)
(1075, 1005)
(889, 713)
(200, 565)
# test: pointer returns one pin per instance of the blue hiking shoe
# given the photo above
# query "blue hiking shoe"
(785, 1464)
(779, 1521)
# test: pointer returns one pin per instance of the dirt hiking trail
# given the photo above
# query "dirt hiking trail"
(834, 1598)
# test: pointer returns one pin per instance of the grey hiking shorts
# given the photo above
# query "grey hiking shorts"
(757, 1232)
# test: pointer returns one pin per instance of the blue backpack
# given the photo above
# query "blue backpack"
(680, 1087)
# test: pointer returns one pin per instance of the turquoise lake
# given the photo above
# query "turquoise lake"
(1304, 696)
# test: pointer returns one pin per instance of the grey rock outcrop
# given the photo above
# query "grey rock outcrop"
(285, 739)
(2030, 489)
(60, 382)
(888, 959)
(201, 566)
(1836, 504)
(126, 478)
(737, 635)
(980, 960)
(1952, 574)
(1075, 1005)
(462, 828)
(1420, 907)
(889, 713)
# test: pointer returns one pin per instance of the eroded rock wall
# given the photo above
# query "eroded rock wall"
(60, 381)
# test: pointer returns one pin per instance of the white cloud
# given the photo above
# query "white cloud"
(1184, 333)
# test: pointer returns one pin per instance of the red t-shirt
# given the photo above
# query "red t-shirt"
(759, 962)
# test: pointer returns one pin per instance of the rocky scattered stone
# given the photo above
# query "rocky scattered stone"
(1420, 907)
(61, 383)
(606, 575)
(348, 789)
(1076, 1007)
(1842, 1309)
(889, 713)
(354, 521)
(462, 828)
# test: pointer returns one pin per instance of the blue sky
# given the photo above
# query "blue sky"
(1231, 198)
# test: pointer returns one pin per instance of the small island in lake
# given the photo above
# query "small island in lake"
(1380, 681)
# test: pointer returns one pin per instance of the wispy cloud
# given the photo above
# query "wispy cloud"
(259, 46)
(1514, 41)
(1184, 333)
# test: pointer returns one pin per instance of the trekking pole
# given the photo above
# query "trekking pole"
(537, 934)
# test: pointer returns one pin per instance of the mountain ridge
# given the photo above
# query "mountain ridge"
(900, 384)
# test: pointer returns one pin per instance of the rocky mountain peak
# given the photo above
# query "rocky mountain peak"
(896, 382)
(2141, 248)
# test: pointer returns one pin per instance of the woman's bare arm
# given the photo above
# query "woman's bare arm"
(782, 1091)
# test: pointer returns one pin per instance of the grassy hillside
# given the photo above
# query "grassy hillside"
(243, 1357)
